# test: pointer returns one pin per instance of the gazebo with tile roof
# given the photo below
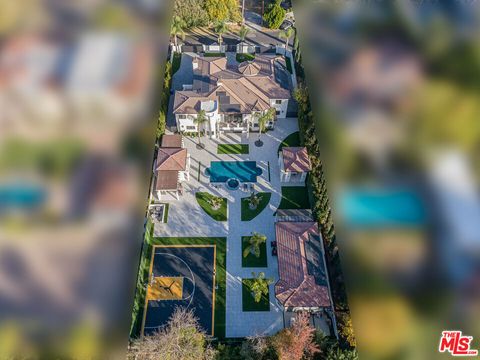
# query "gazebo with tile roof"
(172, 167)
(294, 164)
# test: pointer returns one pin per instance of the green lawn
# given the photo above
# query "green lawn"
(177, 58)
(289, 64)
(220, 214)
(232, 149)
(291, 140)
(294, 197)
(248, 214)
(245, 57)
(251, 260)
(248, 302)
(220, 277)
(214, 54)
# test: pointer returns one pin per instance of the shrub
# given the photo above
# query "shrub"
(274, 15)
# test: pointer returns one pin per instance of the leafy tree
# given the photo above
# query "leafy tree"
(254, 243)
(217, 10)
(337, 353)
(259, 285)
(181, 339)
(243, 32)
(286, 34)
(254, 348)
(274, 15)
(297, 341)
(199, 121)
(346, 328)
(177, 29)
(220, 29)
(192, 12)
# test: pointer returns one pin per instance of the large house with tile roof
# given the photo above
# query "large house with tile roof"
(232, 96)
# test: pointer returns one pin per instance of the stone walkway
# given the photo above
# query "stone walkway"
(186, 218)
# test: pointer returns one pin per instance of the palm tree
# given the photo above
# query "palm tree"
(221, 28)
(243, 32)
(269, 115)
(259, 286)
(254, 200)
(286, 34)
(177, 29)
(254, 244)
(199, 121)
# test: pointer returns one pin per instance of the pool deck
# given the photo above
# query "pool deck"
(186, 218)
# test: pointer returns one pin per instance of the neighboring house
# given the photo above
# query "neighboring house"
(29, 83)
(232, 96)
(47, 82)
(303, 280)
(172, 167)
(294, 164)
(109, 75)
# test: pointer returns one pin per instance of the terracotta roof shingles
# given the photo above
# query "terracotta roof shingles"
(171, 159)
(296, 159)
(250, 85)
(296, 287)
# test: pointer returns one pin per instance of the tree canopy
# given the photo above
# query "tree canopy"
(181, 339)
(274, 15)
(192, 12)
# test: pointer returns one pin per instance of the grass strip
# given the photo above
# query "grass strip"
(291, 140)
(245, 57)
(204, 198)
(248, 214)
(294, 197)
(233, 149)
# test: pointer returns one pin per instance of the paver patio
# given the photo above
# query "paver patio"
(186, 218)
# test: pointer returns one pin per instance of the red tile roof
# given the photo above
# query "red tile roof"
(300, 265)
(172, 141)
(167, 180)
(171, 159)
(296, 159)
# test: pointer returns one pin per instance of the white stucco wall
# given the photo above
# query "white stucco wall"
(282, 108)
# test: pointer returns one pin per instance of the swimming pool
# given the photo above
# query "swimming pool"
(382, 208)
(21, 196)
(243, 171)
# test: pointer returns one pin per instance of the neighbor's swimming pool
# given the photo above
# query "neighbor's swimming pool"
(243, 171)
(381, 208)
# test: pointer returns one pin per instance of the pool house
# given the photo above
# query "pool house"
(172, 167)
(294, 164)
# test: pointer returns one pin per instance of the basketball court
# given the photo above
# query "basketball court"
(180, 276)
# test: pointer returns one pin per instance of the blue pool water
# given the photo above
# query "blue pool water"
(382, 208)
(243, 171)
(21, 196)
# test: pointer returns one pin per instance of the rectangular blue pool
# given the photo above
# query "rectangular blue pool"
(243, 171)
(382, 208)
